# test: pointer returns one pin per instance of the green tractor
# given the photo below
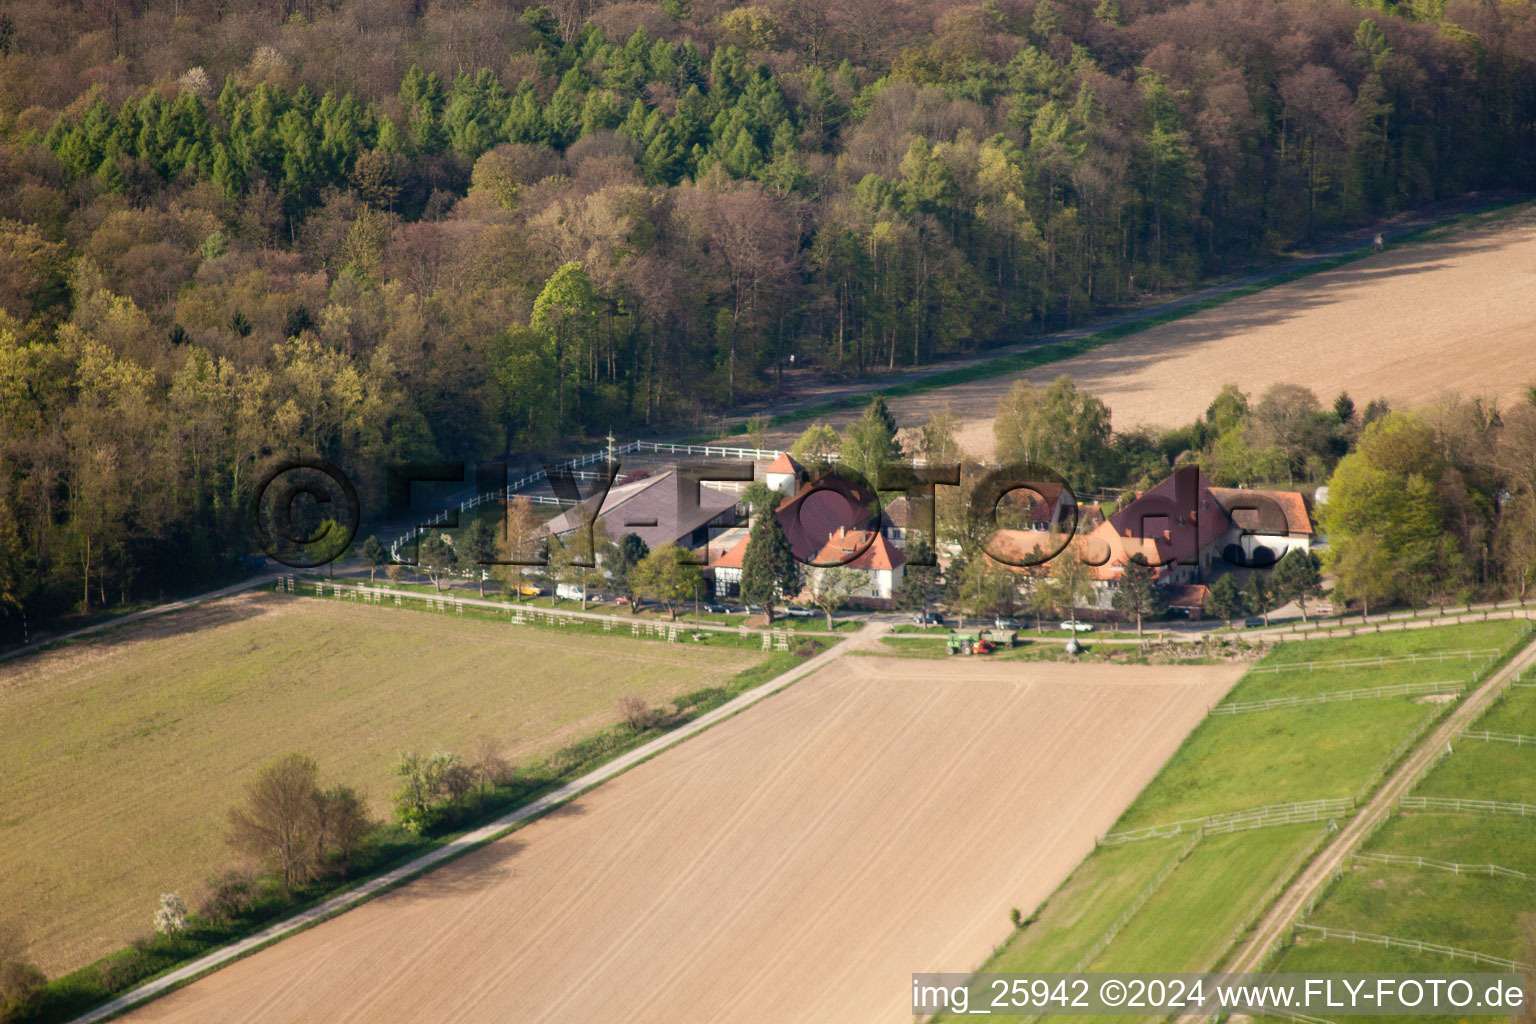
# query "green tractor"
(969, 643)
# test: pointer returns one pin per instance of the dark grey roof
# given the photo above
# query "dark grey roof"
(666, 508)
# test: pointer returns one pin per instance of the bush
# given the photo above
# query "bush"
(292, 826)
(230, 893)
(119, 972)
(430, 791)
(636, 713)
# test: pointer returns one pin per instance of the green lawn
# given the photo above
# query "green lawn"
(1302, 681)
(1232, 762)
(1513, 712)
(1212, 894)
(1463, 838)
(1484, 771)
(1469, 911)
(1270, 757)
(1186, 922)
(1465, 911)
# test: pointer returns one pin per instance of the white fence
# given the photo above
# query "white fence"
(1136, 904)
(1435, 656)
(1339, 696)
(539, 476)
(1491, 870)
(1457, 803)
(1238, 821)
(1518, 739)
(1416, 945)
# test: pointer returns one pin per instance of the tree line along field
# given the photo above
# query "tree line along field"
(1179, 901)
(124, 753)
(787, 864)
(1468, 907)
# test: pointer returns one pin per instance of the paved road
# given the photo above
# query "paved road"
(486, 833)
(1276, 924)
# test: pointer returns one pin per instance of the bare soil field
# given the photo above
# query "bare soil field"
(795, 863)
(122, 754)
(1456, 313)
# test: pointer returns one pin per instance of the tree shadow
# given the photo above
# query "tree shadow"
(224, 611)
(479, 870)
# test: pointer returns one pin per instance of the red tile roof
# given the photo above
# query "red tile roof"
(875, 552)
(1274, 512)
(819, 509)
(785, 464)
(733, 558)
(1187, 595)
(1179, 517)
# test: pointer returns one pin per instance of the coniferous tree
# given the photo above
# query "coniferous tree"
(768, 568)
(1138, 594)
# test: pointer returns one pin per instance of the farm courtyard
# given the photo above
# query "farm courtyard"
(123, 754)
(794, 862)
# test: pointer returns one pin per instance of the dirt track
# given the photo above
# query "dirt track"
(795, 863)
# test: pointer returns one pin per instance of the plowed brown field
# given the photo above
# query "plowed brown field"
(1455, 313)
(795, 863)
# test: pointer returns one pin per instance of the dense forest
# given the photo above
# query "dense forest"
(374, 230)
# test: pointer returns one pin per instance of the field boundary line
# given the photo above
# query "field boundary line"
(1417, 945)
(1244, 707)
(1276, 924)
(1293, 813)
(1408, 860)
(518, 614)
(472, 840)
(1461, 803)
(1103, 941)
(1411, 658)
(1519, 739)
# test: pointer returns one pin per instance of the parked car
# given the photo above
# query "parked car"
(800, 611)
(1005, 623)
(1253, 620)
(928, 619)
(1081, 627)
(716, 609)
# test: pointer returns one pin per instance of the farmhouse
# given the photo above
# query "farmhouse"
(1186, 529)
(870, 553)
(723, 570)
(828, 522)
(667, 508)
